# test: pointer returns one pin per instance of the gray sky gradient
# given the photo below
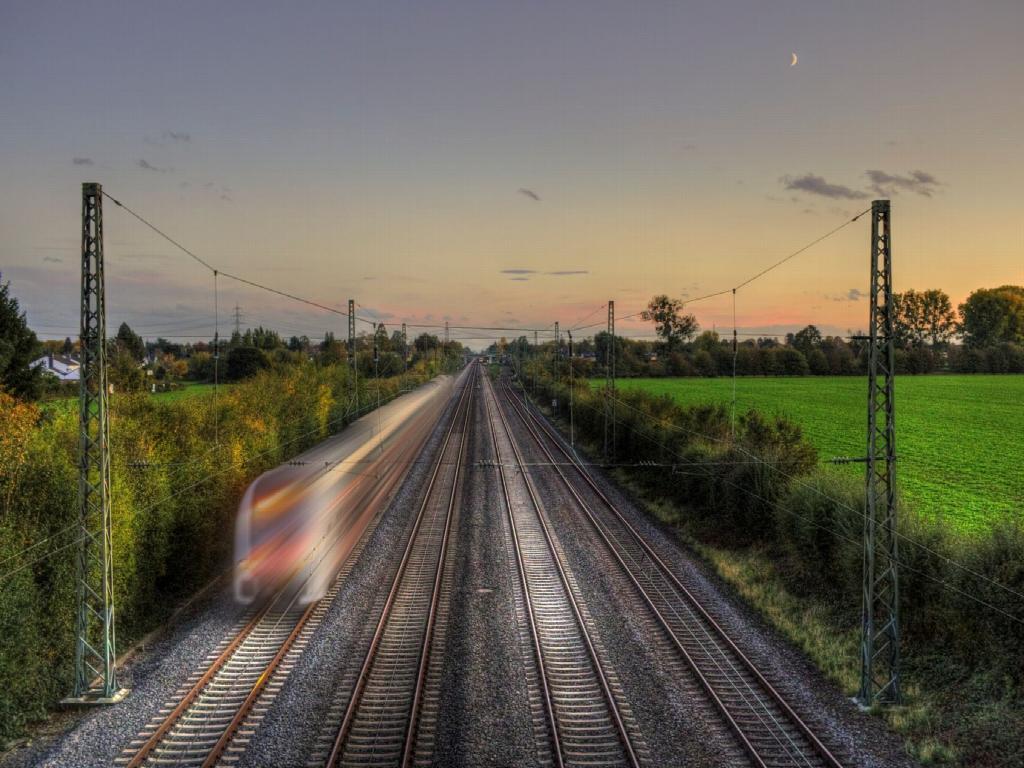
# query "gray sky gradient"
(319, 146)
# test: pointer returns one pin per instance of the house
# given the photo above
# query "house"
(62, 367)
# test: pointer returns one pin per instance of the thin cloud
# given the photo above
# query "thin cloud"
(853, 294)
(168, 137)
(375, 314)
(529, 193)
(82, 161)
(881, 183)
(53, 259)
(920, 182)
(142, 163)
(520, 279)
(817, 185)
(519, 271)
(563, 272)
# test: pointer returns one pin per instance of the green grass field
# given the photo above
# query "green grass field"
(61, 404)
(959, 439)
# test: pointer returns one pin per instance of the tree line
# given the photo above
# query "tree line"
(985, 334)
(134, 364)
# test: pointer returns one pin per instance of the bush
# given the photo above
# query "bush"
(762, 489)
(178, 470)
(245, 362)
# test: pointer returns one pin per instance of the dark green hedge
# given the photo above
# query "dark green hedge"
(179, 468)
(762, 486)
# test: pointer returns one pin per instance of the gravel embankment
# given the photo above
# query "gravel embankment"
(300, 714)
(678, 725)
(856, 738)
(484, 707)
(485, 718)
(95, 737)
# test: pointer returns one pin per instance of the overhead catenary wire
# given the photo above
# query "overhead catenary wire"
(222, 272)
(800, 481)
(292, 296)
(778, 506)
(752, 278)
(580, 321)
(233, 464)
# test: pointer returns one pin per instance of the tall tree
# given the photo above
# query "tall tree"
(381, 339)
(129, 341)
(937, 316)
(921, 317)
(805, 340)
(993, 315)
(426, 342)
(18, 347)
(671, 324)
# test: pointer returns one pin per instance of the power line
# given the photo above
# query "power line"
(600, 307)
(215, 270)
(754, 277)
(285, 294)
(347, 414)
(814, 489)
(777, 505)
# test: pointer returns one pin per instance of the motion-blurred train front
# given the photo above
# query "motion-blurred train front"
(297, 523)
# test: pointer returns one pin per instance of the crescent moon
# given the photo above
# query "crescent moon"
(794, 61)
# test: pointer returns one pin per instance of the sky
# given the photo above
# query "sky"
(507, 164)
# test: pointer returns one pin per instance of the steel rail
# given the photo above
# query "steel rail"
(250, 701)
(340, 740)
(365, 499)
(613, 707)
(534, 632)
(428, 633)
(529, 419)
(186, 701)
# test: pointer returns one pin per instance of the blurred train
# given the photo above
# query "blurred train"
(298, 522)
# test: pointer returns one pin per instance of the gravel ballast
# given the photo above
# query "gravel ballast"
(483, 707)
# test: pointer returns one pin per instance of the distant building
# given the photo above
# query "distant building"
(61, 367)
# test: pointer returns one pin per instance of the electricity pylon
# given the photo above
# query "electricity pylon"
(609, 383)
(95, 647)
(352, 352)
(880, 627)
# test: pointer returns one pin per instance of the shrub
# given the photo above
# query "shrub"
(761, 488)
(178, 470)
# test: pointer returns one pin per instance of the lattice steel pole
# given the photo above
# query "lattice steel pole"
(554, 357)
(536, 362)
(352, 352)
(880, 639)
(405, 349)
(95, 647)
(609, 381)
(572, 412)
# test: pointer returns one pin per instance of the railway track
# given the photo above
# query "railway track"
(588, 721)
(379, 726)
(768, 729)
(213, 715)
